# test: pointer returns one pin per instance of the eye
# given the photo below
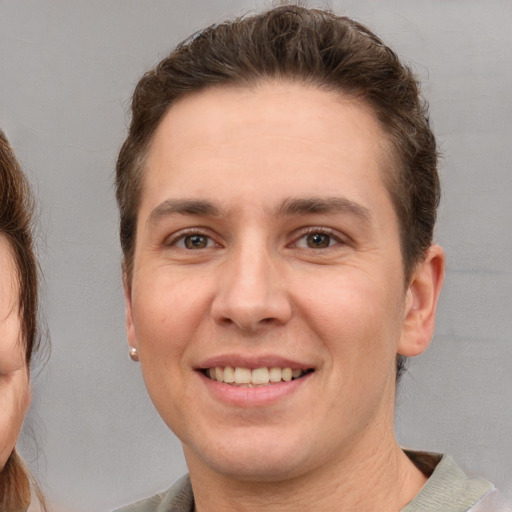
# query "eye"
(194, 241)
(316, 239)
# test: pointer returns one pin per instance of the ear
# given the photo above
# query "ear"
(421, 302)
(130, 329)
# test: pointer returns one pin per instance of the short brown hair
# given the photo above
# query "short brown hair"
(16, 209)
(313, 47)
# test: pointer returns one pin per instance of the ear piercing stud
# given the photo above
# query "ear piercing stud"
(134, 355)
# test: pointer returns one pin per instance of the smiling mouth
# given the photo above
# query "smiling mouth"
(245, 377)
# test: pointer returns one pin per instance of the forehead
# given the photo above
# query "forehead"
(9, 294)
(285, 131)
(8, 276)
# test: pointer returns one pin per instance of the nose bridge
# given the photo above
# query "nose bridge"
(250, 293)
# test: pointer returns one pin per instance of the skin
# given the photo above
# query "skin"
(258, 287)
(14, 377)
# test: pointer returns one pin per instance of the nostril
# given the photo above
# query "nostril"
(250, 310)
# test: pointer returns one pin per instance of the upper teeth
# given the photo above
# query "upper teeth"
(258, 376)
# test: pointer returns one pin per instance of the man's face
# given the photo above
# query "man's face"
(267, 242)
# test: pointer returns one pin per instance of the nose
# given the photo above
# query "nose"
(251, 292)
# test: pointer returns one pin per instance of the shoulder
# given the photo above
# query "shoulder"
(178, 498)
(449, 489)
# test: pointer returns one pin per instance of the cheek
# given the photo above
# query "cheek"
(164, 321)
(356, 316)
(14, 403)
(166, 329)
(158, 300)
(168, 315)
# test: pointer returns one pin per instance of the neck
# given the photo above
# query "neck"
(383, 479)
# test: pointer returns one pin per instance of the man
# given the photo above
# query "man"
(278, 192)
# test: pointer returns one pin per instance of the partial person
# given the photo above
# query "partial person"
(278, 190)
(19, 338)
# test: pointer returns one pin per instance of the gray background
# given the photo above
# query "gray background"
(67, 69)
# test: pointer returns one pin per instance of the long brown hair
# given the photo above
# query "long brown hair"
(16, 209)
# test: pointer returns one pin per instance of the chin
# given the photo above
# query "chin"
(256, 458)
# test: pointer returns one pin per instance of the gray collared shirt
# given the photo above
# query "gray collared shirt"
(447, 490)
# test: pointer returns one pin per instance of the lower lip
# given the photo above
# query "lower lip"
(257, 396)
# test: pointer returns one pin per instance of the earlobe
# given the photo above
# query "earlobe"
(421, 302)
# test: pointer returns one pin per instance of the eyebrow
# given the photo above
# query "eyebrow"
(289, 207)
(182, 207)
(319, 205)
